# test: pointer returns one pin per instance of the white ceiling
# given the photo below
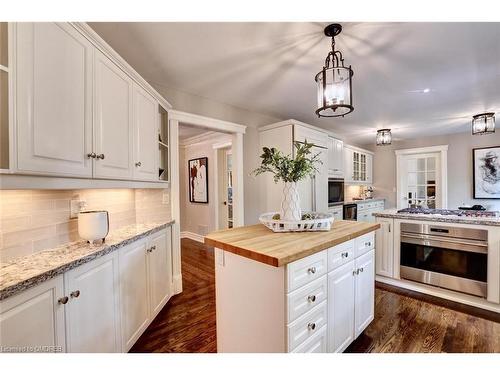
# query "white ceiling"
(270, 68)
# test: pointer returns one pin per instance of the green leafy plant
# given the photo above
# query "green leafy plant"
(284, 167)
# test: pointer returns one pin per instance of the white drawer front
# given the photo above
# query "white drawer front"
(306, 298)
(316, 344)
(306, 326)
(364, 244)
(340, 254)
(305, 270)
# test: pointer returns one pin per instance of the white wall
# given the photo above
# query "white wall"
(460, 178)
(251, 149)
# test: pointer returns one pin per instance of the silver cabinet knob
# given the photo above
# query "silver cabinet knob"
(138, 164)
(75, 294)
(100, 156)
(311, 326)
(92, 155)
(63, 300)
(311, 298)
(311, 270)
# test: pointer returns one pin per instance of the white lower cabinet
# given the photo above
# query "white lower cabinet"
(101, 306)
(92, 312)
(341, 291)
(34, 319)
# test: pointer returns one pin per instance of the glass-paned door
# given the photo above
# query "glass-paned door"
(229, 187)
(419, 181)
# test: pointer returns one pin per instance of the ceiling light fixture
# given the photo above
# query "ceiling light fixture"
(384, 137)
(483, 123)
(334, 81)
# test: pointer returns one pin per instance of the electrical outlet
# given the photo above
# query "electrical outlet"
(165, 198)
(76, 206)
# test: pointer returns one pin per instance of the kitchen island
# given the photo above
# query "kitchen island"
(450, 254)
(293, 292)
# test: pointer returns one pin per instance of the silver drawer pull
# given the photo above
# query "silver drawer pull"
(311, 298)
(311, 270)
(311, 326)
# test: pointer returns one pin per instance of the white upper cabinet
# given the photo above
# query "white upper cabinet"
(335, 158)
(358, 165)
(146, 125)
(54, 100)
(92, 313)
(112, 120)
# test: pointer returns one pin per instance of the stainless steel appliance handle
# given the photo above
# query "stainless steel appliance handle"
(445, 242)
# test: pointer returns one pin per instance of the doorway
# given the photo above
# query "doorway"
(421, 178)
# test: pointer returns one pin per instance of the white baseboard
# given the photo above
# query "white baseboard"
(193, 236)
(441, 293)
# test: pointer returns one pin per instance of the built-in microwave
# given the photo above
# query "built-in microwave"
(335, 191)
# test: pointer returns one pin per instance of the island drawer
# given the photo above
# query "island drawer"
(364, 244)
(315, 344)
(305, 270)
(340, 254)
(306, 326)
(306, 298)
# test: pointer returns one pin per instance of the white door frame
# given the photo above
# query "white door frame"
(443, 157)
(237, 131)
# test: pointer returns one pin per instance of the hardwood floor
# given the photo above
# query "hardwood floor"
(402, 322)
(187, 323)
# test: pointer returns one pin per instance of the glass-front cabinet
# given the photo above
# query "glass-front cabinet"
(4, 95)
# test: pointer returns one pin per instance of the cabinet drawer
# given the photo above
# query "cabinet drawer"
(306, 326)
(315, 344)
(302, 271)
(306, 298)
(364, 244)
(340, 254)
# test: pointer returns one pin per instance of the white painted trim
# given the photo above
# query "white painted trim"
(207, 137)
(19, 181)
(193, 236)
(107, 50)
(443, 158)
(421, 150)
(206, 122)
(442, 293)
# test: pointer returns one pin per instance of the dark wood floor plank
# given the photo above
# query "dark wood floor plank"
(404, 321)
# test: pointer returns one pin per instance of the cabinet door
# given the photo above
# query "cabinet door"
(369, 169)
(341, 288)
(34, 318)
(348, 164)
(113, 120)
(54, 100)
(134, 301)
(365, 291)
(160, 270)
(146, 121)
(92, 313)
(339, 158)
(384, 248)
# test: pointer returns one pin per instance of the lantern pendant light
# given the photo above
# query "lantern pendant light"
(384, 137)
(334, 82)
(483, 123)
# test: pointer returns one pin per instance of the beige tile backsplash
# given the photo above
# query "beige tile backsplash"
(35, 220)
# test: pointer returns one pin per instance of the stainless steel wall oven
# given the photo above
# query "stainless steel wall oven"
(449, 257)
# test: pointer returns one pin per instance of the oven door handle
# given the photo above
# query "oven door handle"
(446, 243)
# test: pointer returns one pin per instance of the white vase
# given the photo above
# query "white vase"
(290, 204)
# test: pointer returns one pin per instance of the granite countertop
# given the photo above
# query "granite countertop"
(392, 213)
(23, 273)
(360, 201)
(261, 244)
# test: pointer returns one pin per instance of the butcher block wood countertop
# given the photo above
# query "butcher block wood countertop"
(278, 249)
